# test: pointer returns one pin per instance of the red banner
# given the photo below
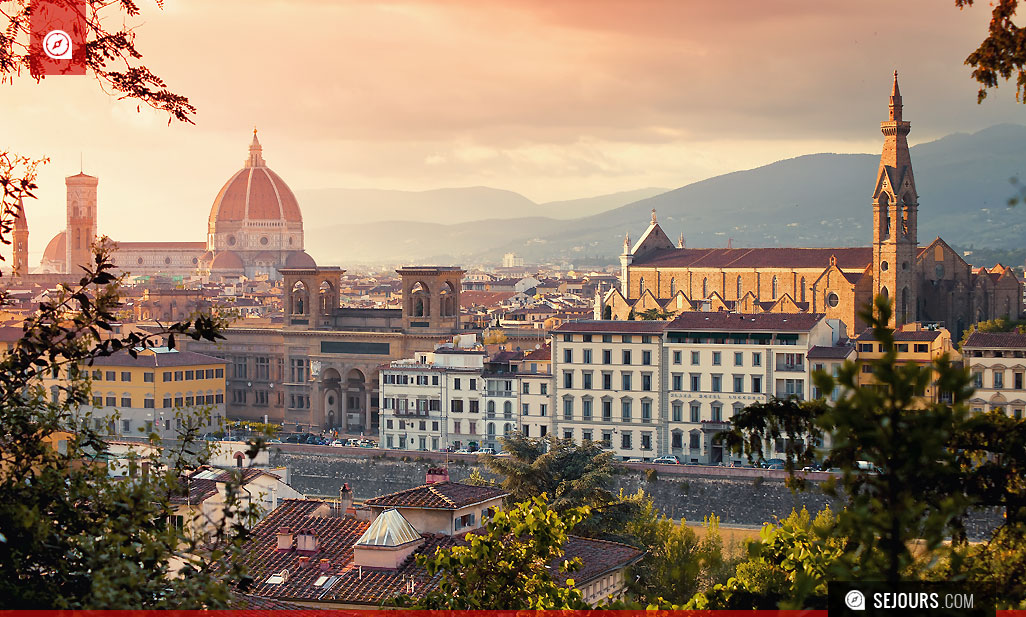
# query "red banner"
(58, 37)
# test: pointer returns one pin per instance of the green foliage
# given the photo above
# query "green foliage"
(993, 325)
(607, 312)
(1002, 53)
(495, 336)
(759, 426)
(787, 567)
(476, 478)
(70, 535)
(654, 314)
(509, 565)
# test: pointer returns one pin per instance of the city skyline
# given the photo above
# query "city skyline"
(555, 103)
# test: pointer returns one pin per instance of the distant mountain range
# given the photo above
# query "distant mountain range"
(812, 200)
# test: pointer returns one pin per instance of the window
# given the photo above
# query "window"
(261, 397)
(865, 347)
(585, 435)
(790, 362)
(456, 385)
(717, 412)
(240, 369)
(456, 405)
(567, 338)
(902, 347)
(568, 356)
(625, 379)
(696, 441)
(625, 411)
(111, 375)
(263, 368)
(646, 441)
(977, 379)
(1018, 381)
(238, 397)
(475, 405)
(677, 382)
(757, 384)
(568, 409)
(626, 356)
(716, 358)
(544, 388)
(525, 387)
(97, 375)
(586, 356)
(167, 376)
(473, 384)
(921, 348)
(646, 382)
(218, 373)
(756, 359)
(696, 382)
(298, 366)
(167, 401)
(607, 356)
(607, 381)
(148, 377)
(696, 357)
(607, 438)
(626, 338)
(999, 379)
(568, 379)
(717, 381)
(126, 425)
(126, 400)
(677, 357)
(586, 380)
(607, 338)
(97, 400)
(739, 383)
(677, 440)
(696, 412)
(867, 368)
(189, 375)
(586, 409)
(586, 338)
(678, 411)
(739, 358)
(568, 434)
(646, 357)
(646, 411)
(607, 411)
(625, 441)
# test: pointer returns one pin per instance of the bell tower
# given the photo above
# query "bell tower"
(21, 238)
(895, 209)
(81, 229)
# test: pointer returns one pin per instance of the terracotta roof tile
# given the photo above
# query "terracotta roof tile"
(772, 257)
(627, 327)
(1003, 340)
(719, 321)
(441, 495)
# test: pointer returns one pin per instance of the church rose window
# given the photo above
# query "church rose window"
(832, 299)
(883, 266)
(263, 240)
(231, 240)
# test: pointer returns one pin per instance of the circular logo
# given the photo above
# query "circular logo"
(855, 600)
(57, 45)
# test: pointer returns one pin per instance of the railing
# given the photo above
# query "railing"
(791, 367)
(505, 393)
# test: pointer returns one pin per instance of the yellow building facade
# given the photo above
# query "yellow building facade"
(915, 345)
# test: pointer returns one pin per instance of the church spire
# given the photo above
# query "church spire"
(680, 241)
(895, 103)
(256, 157)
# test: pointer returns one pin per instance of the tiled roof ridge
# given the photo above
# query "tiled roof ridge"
(434, 489)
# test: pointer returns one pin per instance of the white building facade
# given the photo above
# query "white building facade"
(997, 363)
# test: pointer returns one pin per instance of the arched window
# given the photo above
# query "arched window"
(740, 288)
(491, 430)
(705, 288)
(641, 286)
(803, 289)
(491, 408)
(420, 300)
(673, 287)
(327, 298)
(885, 211)
(300, 298)
(507, 409)
(774, 288)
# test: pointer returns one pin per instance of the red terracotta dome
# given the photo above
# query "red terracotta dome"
(255, 193)
(300, 259)
(226, 260)
(56, 249)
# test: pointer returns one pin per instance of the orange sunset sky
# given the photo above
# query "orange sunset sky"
(553, 99)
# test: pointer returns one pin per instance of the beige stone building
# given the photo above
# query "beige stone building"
(997, 362)
(930, 284)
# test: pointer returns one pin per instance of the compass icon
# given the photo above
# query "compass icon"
(57, 45)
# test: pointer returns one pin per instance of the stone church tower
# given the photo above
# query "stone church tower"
(895, 207)
(81, 229)
(21, 237)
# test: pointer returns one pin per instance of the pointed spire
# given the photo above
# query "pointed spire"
(894, 106)
(680, 241)
(256, 157)
(20, 222)
(653, 216)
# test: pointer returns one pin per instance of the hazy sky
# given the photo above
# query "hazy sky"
(553, 99)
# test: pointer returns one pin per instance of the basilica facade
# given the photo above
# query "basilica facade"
(930, 284)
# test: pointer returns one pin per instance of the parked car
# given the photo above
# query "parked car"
(634, 460)
(292, 439)
(368, 443)
(463, 451)
(338, 443)
(775, 466)
(273, 441)
(667, 460)
(486, 451)
(768, 464)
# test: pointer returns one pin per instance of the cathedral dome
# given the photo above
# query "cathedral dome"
(227, 260)
(255, 193)
(56, 249)
(300, 259)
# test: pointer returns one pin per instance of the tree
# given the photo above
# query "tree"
(1002, 53)
(654, 314)
(70, 535)
(509, 566)
(788, 567)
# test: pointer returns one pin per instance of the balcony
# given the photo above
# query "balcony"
(791, 368)
(408, 413)
(500, 393)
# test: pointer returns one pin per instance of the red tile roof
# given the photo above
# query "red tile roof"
(539, 355)
(722, 320)
(835, 352)
(922, 336)
(850, 258)
(441, 495)
(1002, 340)
(157, 360)
(627, 326)
(347, 583)
(201, 489)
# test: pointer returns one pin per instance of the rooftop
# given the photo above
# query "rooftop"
(1002, 340)
(441, 495)
(720, 321)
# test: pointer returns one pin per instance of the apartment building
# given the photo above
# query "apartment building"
(536, 393)
(915, 344)
(609, 385)
(155, 392)
(997, 363)
(719, 363)
(499, 397)
(433, 401)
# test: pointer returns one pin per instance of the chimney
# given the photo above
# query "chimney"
(284, 539)
(345, 496)
(303, 561)
(325, 565)
(306, 542)
(436, 474)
